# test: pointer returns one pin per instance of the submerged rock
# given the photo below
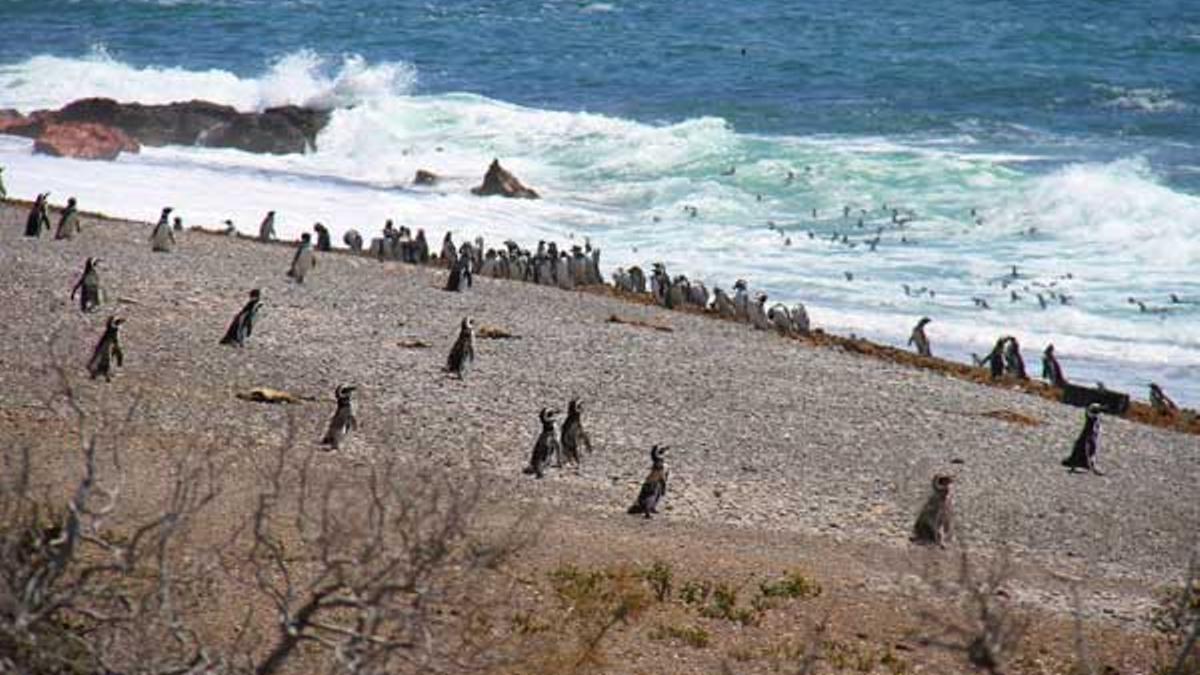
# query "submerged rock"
(498, 181)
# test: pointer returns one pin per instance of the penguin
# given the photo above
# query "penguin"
(654, 488)
(781, 318)
(38, 219)
(243, 322)
(1161, 403)
(177, 224)
(800, 323)
(449, 253)
(573, 435)
(323, 242)
(936, 519)
(266, 229)
(107, 350)
(638, 279)
(919, 339)
(722, 304)
(343, 420)
(758, 313)
(162, 239)
(420, 251)
(660, 283)
(68, 222)
(462, 354)
(304, 260)
(88, 286)
(995, 358)
(353, 240)
(1087, 445)
(698, 294)
(1052, 372)
(1012, 359)
(460, 278)
(741, 300)
(545, 446)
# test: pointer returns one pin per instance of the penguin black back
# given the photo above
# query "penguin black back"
(573, 435)
(654, 488)
(545, 446)
(462, 354)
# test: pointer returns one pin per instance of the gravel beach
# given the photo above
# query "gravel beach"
(773, 440)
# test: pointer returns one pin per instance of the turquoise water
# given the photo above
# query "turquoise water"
(1068, 128)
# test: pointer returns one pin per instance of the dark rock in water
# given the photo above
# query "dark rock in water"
(281, 130)
(277, 131)
(498, 181)
(83, 140)
(424, 177)
(1113, 402)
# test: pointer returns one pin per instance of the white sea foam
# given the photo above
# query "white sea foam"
(1114, 226)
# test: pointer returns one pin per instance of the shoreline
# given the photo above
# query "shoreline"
(1185, 420)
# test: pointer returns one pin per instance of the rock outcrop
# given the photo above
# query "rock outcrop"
(83, 140)
(282, 130)
(498, 181)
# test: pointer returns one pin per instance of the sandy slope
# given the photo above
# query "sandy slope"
(774, 441)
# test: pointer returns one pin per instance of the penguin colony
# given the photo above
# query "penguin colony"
(550, 266)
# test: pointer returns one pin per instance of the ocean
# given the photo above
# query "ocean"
(728, 140)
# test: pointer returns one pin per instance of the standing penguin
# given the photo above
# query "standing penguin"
(304, 260)
(936, 519)
(462, 354)
(741, 300)
(323, 242)
(243, 322)
(266, 229)
(722, 304)
(353, 240)
(68, 222)
(107, 350)
(162, 239)
(460, 275)
(88, 286)
(1012, 359)
(38, 219)
(654, 488)
(1051, 371)
(545, 446)
(1083, 454)
(343, 419)
(573, 435)
(919, 339)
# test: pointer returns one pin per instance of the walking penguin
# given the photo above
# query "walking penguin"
(919, 339)
(1083, 454)
(462, 354)
(88, 286)
(162, 239)
(545, 446)
(654, 488)
(107, 350)
(573, 435)
(343, 418)
(304, 260)
(243, 322)
(934, 523)
(38, 219)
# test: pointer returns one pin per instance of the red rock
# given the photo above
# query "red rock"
(498, 181)
(83, 140)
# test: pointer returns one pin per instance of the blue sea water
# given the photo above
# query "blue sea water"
(1069, 128)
